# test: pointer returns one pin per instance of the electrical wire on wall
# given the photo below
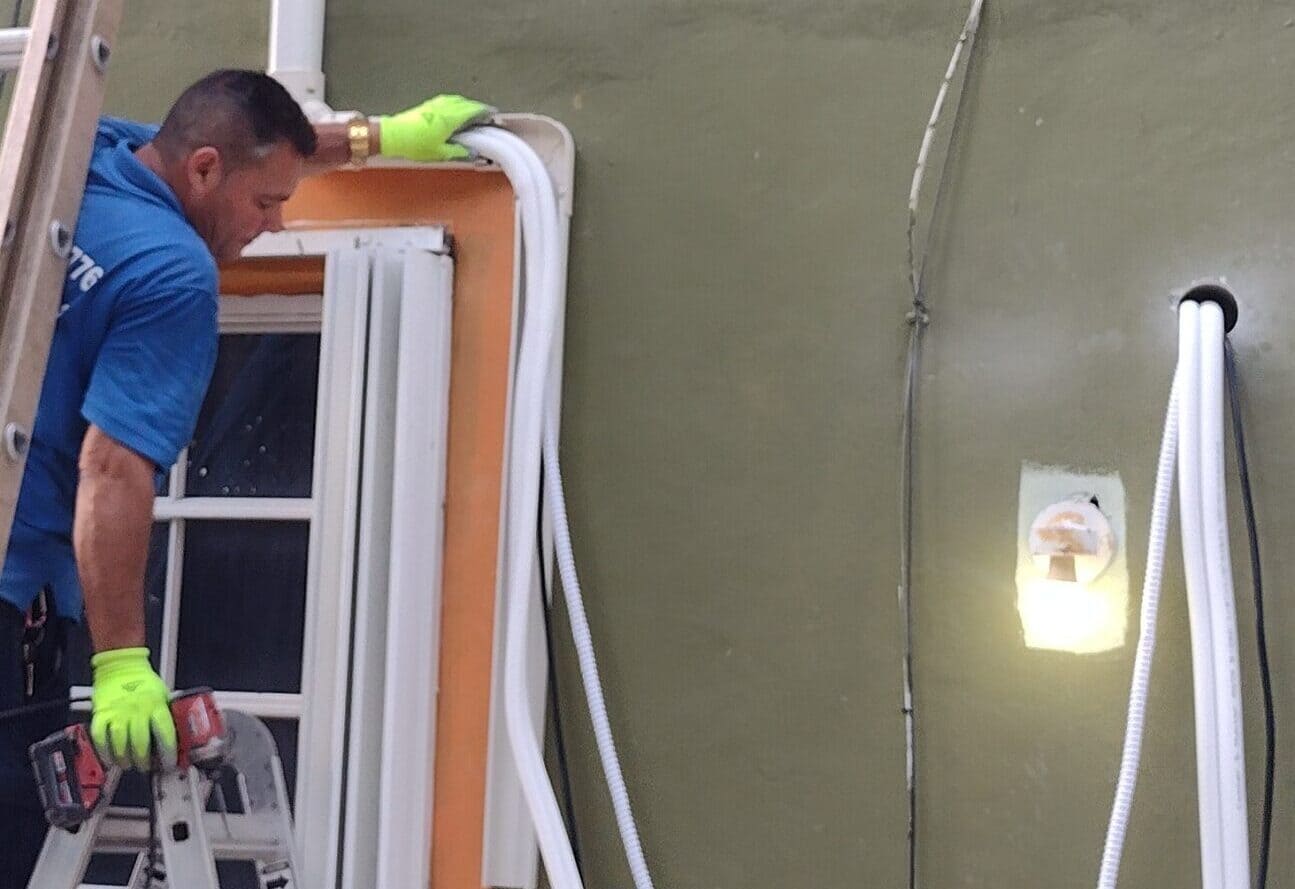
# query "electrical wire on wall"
(918, 318)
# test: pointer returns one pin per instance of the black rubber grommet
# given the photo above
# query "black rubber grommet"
(1215, 293)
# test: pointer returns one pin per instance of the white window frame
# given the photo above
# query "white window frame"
(354, 260)
(373, 572)
(412, 642)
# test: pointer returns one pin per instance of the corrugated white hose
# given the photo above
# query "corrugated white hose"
(1198, 595)
(543, 235)
(539, 218)
(588, 664)
(582, 639)
(1223, 618)
(1128, 780)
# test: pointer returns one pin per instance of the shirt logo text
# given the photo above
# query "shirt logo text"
(83, 269)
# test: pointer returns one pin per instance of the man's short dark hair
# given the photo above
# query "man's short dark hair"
(243, 114)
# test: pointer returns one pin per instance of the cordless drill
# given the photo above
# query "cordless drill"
(71, 777)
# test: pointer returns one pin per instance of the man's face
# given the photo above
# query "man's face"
(230, 208)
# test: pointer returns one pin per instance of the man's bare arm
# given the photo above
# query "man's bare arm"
(114, 514)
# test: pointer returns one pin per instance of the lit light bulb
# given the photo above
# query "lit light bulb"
(1062, 598)
(1067, 616)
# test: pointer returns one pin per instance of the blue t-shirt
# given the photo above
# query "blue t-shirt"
(132, 353)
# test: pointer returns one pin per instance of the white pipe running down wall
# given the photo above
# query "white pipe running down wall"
(532, 419)
(539, 216)
(1230, 749)
(1199, 606)
(1194, 430)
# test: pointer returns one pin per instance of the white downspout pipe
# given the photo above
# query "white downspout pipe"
(297, 52)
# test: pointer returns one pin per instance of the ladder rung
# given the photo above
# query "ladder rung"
(235, 836)
(13, 41)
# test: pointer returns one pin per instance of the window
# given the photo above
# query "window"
(275, 552)
(225, 590)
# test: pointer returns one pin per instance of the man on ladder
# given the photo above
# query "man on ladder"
(131, 357)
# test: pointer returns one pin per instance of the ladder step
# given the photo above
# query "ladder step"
(13, 42)
(237, 837)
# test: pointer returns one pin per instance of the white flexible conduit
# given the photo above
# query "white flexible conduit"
(1163, 499)
(589, 666)
(534, 430)
(1194, 428)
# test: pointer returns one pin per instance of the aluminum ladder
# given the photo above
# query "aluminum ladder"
(189, 838)
(61, 61)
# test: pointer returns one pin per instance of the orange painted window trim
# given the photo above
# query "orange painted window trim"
(478, 210)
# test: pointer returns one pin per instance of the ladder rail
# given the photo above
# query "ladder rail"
(186, 853)
(66, 854)
(49, 135)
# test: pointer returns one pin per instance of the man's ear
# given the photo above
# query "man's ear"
(204, 170)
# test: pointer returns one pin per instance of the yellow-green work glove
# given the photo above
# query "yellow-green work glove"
(422, 133)
(131, 708)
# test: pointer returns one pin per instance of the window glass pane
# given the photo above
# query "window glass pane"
(78, 647)
(285, 736)
(243, 605)
(256, 433)
(133, 790)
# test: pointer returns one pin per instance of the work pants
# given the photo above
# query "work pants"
(33, 670)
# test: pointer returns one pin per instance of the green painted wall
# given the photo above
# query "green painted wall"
(734, 352)
(163, 47)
